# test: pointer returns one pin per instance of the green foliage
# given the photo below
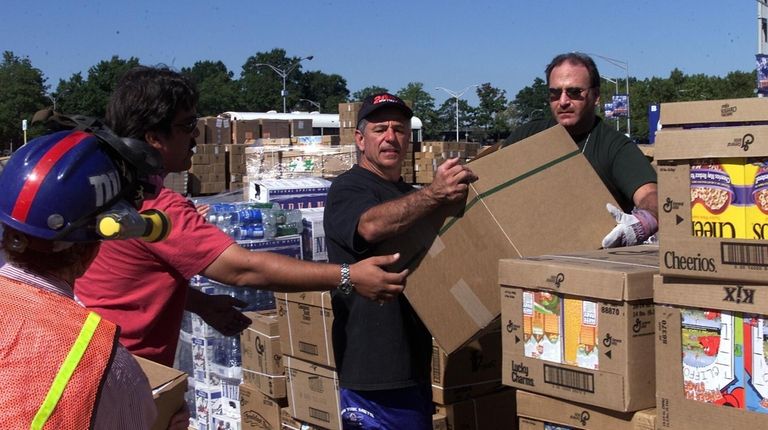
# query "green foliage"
(493, 102)
(218, 91)
(360, 95)
(22, 93)
(422, 103)
(327, 90)
(90, 96)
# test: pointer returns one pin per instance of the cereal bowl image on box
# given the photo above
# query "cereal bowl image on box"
(712, 357)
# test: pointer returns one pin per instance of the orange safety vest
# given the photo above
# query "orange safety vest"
(54, 357)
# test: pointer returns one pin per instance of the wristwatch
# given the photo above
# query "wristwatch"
(346, 285)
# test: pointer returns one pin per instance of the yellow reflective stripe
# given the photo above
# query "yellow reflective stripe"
(66, 370)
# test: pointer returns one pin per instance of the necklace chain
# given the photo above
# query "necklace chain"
(586, 142)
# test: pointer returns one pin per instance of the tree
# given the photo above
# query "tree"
(493, 101)
(218, 91)
(22, 93)
(360, 95)
(90, 96)
(423, 105)
(327, 90)
(446, 118)
(531, 103)
(261, 86)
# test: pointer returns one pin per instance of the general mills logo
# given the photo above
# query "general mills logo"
(607, 340)
(727, 110)
(743, 142)
(556, 280)
(670, 205)
(582, 417)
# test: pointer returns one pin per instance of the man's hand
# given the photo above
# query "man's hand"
(451, 182)
(373, 282)
(631, 229)
(203, 210)
(221, 313)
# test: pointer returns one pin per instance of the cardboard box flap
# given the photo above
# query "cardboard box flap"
(515, 209)
(168, 388)
(713, 142)
(264, 323)
(714, 111)
(307, 367)
(711, 294)
(622, 274)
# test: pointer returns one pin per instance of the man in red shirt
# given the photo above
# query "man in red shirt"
(143, 287)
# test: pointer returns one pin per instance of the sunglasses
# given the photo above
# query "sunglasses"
(573, 93)
(188, 127)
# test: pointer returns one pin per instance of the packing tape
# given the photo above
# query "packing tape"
(326, 295)
(437, 247)
(471, 304)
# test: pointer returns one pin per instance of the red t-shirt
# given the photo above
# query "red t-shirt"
(142, 287)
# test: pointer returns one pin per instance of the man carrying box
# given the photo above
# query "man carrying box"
(574, 93)
(382, 350)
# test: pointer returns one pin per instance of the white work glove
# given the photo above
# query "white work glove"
(631, 229)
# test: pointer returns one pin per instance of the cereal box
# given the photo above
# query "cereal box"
(756, 173)
(712, 356)
(541, 325)
(580, 333)
(756, 367)
(718, 197)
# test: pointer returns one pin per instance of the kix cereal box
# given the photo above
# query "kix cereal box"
(541, 325)
(719, 197)
(713, 358)
(756, 367)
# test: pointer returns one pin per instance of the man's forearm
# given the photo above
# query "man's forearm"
(396, 216)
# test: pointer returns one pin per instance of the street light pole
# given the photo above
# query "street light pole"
(623, 65)
(457, 96)
(315, 104)
(53, 98)
(283, 73)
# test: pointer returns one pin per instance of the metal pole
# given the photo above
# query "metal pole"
(624, 65)
(457, 119)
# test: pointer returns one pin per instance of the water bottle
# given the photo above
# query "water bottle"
(219, 213)
(286, 221)
(248, 232)
(247, 216)
(228, 352)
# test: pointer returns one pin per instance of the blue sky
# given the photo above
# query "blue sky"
(452, 44)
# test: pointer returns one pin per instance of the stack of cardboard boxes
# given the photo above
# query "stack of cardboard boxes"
(432, 154)
(208, 172)
(711, 340)
(348, 121)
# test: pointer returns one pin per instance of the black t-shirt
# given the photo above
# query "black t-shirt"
(620, 164)
(377, 347)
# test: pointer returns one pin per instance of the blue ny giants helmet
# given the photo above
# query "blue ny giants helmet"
(56, 187)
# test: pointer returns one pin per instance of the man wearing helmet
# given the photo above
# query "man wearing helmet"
(143, 287)
(62, 365)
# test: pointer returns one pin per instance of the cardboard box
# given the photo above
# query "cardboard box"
(217, 131)
(291, 423)
(536, 411)
(313, 235)
(290, 193)
(489, 412)
(713, 112)
(306, 320)
(524, 188)
(207, 405)
(719, 254)
(710, 354)
(259, 411)
(470, 371)
(245, 131)
(275, 128)
(301, 127)
(601, 352)
(168, 388)
(313, 393)
(261, 354)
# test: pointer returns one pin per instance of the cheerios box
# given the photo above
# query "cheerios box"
(580, 326)
(713, 196)
(711, 353)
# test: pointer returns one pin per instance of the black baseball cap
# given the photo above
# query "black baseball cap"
(379, 101)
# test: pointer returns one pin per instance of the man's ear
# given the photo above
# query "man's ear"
(359, 140)
(153, 139)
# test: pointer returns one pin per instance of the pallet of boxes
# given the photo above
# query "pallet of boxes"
(432, 154)
(208, 172)
(712, 293)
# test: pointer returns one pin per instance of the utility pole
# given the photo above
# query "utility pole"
(762, 29)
